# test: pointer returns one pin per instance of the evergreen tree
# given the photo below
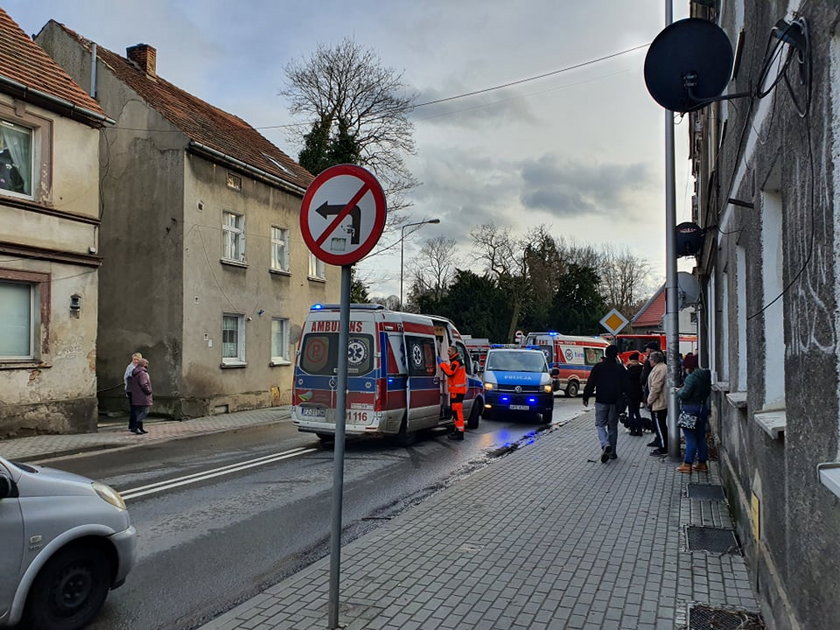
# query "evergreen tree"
(578, 306)
(316, 146)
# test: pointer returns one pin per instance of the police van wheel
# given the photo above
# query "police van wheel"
(547, 416)
(475, 415)
(571, 390)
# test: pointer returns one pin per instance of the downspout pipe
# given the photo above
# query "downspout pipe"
(93, 71)
(203, 148)
(72, 107)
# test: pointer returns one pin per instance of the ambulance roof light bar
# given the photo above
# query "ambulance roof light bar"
(355, 307)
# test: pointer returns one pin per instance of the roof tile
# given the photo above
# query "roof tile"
(24, 61)
(202, 122)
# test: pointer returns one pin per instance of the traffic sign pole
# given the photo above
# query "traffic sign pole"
(338, 193)
(338, 452)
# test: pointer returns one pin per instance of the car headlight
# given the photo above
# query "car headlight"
(107, 493)
(548, 389)
(488, 386)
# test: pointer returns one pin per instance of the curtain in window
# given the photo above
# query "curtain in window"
(230, 337)
(18, 141)
(15, 320)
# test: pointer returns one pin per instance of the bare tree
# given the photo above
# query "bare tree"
(624, 278)
(505, 261)
(346, 92)
(433, 269)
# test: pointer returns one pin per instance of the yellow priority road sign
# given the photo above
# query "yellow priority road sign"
(614, 321)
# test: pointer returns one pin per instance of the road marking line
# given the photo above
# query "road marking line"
(160, 486)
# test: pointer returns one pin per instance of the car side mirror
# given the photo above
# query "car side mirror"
(7, 487)
(555, 372)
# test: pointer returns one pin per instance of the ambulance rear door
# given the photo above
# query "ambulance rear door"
(423, 391)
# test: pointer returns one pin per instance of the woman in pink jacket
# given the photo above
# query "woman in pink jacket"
(140, 390)
(657, 400)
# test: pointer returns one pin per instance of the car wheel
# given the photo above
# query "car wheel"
(547, 416)
(572, 389)
(405, 437)
(70, 589)
(475, 415)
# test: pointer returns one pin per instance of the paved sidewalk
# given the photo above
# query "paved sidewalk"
(538, 539)
(115, 435)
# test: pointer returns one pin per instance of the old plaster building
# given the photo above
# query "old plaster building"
(204, 269)
(768, 178)
(49, 242)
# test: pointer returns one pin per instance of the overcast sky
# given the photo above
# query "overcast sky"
(580, 151)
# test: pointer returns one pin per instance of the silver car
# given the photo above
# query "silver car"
(65, 541)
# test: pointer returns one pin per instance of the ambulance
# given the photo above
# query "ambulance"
(395, 387)
(574, 356)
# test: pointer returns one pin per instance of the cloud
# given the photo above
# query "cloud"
(566, 189)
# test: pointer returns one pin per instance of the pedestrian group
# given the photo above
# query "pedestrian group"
(616, 388)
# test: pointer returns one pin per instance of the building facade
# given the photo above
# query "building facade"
(49, 242)
(767, 168)
(204, 268)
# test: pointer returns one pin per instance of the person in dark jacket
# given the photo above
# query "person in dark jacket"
(608, 381)
(635, 395)
(693, 395)
(140, 388)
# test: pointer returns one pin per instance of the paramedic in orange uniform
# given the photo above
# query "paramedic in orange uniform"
(456, 376)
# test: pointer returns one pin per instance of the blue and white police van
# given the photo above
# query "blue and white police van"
(518, 381)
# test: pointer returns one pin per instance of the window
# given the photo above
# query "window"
(233, 235)
(233, 339)
(422, 356)
(773, 265)
(319, 354)
(15, 158)
(316, 267)
(17, 320)
(280, 249)
(593, 356)
(741, 314)
(279, 341)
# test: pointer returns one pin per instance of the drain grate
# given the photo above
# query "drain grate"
(702, 617)
(705, 491)
(712, 539)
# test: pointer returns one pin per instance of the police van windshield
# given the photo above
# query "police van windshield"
(319, 354)
(516, 361)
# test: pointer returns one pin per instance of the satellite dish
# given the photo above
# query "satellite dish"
(688, 289)
(688, 65)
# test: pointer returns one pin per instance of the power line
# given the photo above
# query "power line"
(465, 94)
(534, 78)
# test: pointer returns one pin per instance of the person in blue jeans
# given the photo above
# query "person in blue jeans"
(693, 397)
(608, 382)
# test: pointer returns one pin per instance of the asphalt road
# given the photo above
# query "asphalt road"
(223, 516)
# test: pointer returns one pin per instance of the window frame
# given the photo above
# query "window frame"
(41, 149)
(39, 316)
(237, 234)
(285, 358)
(278, 266)
(319, 267)
(239, 359)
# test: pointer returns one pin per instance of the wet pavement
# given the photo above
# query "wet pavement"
(543, 537)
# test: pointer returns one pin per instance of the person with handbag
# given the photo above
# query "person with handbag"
(694, 415)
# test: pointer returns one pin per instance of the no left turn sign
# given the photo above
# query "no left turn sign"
(343, 214)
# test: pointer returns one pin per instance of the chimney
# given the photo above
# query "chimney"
(144, 56)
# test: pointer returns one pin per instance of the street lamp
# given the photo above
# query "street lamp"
(402, 250)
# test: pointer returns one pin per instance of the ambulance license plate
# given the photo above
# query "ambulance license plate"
(519, 407)
(313, 412)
